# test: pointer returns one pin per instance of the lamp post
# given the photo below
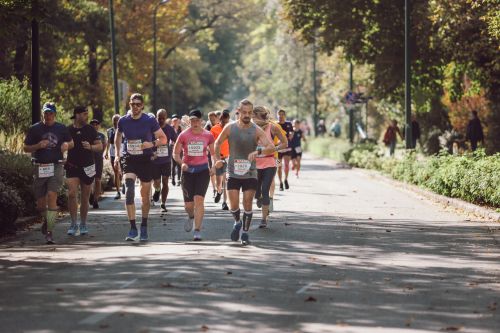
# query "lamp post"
(113, 56)
(154, 52)
(408, 130)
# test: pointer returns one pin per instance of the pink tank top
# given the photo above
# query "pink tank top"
(267, 161)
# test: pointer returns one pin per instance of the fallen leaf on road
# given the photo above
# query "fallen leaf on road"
(287, 223)
(204, 328)
(166, 285)
(310, 299)
(229, 273)
(388, 230)
(60, 290)
(342, 323)
(452, 328)
(409, 321)
(492, 306)
(370, 218)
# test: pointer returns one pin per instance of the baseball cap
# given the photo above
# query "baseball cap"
(226, 113)
(95, 121)
(174, 116)
(49, 107)
(77, 110)
(195, 114)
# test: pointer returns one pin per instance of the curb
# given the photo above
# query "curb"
(468, 207)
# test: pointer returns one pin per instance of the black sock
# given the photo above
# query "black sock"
(132, 225)
(247, 219)
(236, 215)
(144, 222)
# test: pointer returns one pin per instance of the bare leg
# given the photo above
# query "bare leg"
(164, 189)
(199, 211)
(145, 195)
(73, 184)
(84, 204)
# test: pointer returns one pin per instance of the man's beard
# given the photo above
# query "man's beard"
(246, 120)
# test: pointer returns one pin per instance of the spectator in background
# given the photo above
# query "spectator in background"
(415, 132)
(390, 138)
(304, 126)
(336, 129)
(321, 128)
(474, 131)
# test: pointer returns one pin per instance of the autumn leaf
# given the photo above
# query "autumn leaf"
(310, 299)
(204, 328)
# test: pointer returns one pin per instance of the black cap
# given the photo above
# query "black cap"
(226, 113)
(195, 114)
(77, 110)
(95, 121)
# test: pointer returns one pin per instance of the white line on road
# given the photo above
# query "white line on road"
(304, 288)
(102, 314)
(126, 284)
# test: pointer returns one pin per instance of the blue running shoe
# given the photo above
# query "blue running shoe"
(235, 233)
(72, 230)
(245, 239)
(83, 229)
(132, 236)
(144, 233)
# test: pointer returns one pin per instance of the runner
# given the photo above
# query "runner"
(266, 164)
(140, 133)
(224, 119)
(176, 168)
(213, 119)
(194, 142)
(95, 195)
(243, 136)
(285, 154)
(162, 165)
(296, 146)
(47, 141)
(80, 168)
(110, 153)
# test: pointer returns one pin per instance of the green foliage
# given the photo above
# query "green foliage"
(471, 177)
(334, 149)
(11, 205)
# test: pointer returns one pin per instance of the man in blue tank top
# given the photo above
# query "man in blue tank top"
(242, 136)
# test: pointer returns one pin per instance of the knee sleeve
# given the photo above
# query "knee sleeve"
(130, 191)
(247, 219)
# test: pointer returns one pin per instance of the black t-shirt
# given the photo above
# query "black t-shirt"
(288, 128)
(80, 156)
(111, 135)
(102, 138)
(56, 134)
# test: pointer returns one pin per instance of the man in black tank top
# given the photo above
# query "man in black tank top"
(243, 136)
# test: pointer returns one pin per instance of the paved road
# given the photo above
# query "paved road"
(345, 253)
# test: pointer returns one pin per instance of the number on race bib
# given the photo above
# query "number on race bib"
(298, 150)
(162, 151)
(195, 149)
(241, 167)
(90, 170)
(45, 170)
(134, 147)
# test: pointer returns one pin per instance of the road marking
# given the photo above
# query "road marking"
(304, 288)
(126, 284)
(102, 314)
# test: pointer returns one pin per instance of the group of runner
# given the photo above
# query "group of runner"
(237, 156)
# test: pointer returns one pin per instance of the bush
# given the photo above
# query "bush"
(11, 205)
(333, 148)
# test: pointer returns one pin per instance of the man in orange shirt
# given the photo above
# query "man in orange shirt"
(224, 154)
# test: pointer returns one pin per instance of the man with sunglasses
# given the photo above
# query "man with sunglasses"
(140, 133)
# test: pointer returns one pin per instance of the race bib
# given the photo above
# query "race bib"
(45, 170)
(134, 147)
(195, 149)
(90, 170)
(162, 151)
(298, 150)
(241, 167)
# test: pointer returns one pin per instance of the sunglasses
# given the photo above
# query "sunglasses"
(136, 104)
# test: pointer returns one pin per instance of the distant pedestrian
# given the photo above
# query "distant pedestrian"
(390, 138)
(415, 132)
(474, 131)
(321, 128)
(336, 129)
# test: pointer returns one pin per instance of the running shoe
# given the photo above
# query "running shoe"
(197, 236)
(132, 236)
(48, 238)
(156, 196)
(263, 224)
(164, 207)
(259, 202)
(217, 197)
(43, 229)
(245, 239)
(215, 193)
(83, 229)
(281, 186)
(144, 233)
(235, 233)
(95, 205)
(173, 182)
(286, 185)
(118, 196)
(178, 182)
(271, 206)
(73, 230)
(188, 225)
(225, 206)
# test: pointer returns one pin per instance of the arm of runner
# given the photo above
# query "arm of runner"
(266, 148)
(97, 147)
(161, 139)
(177, 155)
(32, 148)
(106, 151)
(218, 163)
(211, 149)
(118, 146)
(279, 133)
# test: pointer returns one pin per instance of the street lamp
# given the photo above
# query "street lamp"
(154, 52)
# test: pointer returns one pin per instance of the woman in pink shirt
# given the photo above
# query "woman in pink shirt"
(266, 164)
(196, 173)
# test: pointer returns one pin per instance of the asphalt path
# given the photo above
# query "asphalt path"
(344, 253)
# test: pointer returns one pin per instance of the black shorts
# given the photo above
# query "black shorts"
(194, 184)
(161, 170)
(98, 168)
(141, 166)
(246, 184)
(295, 154)
(286, 153)
(73, 171)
